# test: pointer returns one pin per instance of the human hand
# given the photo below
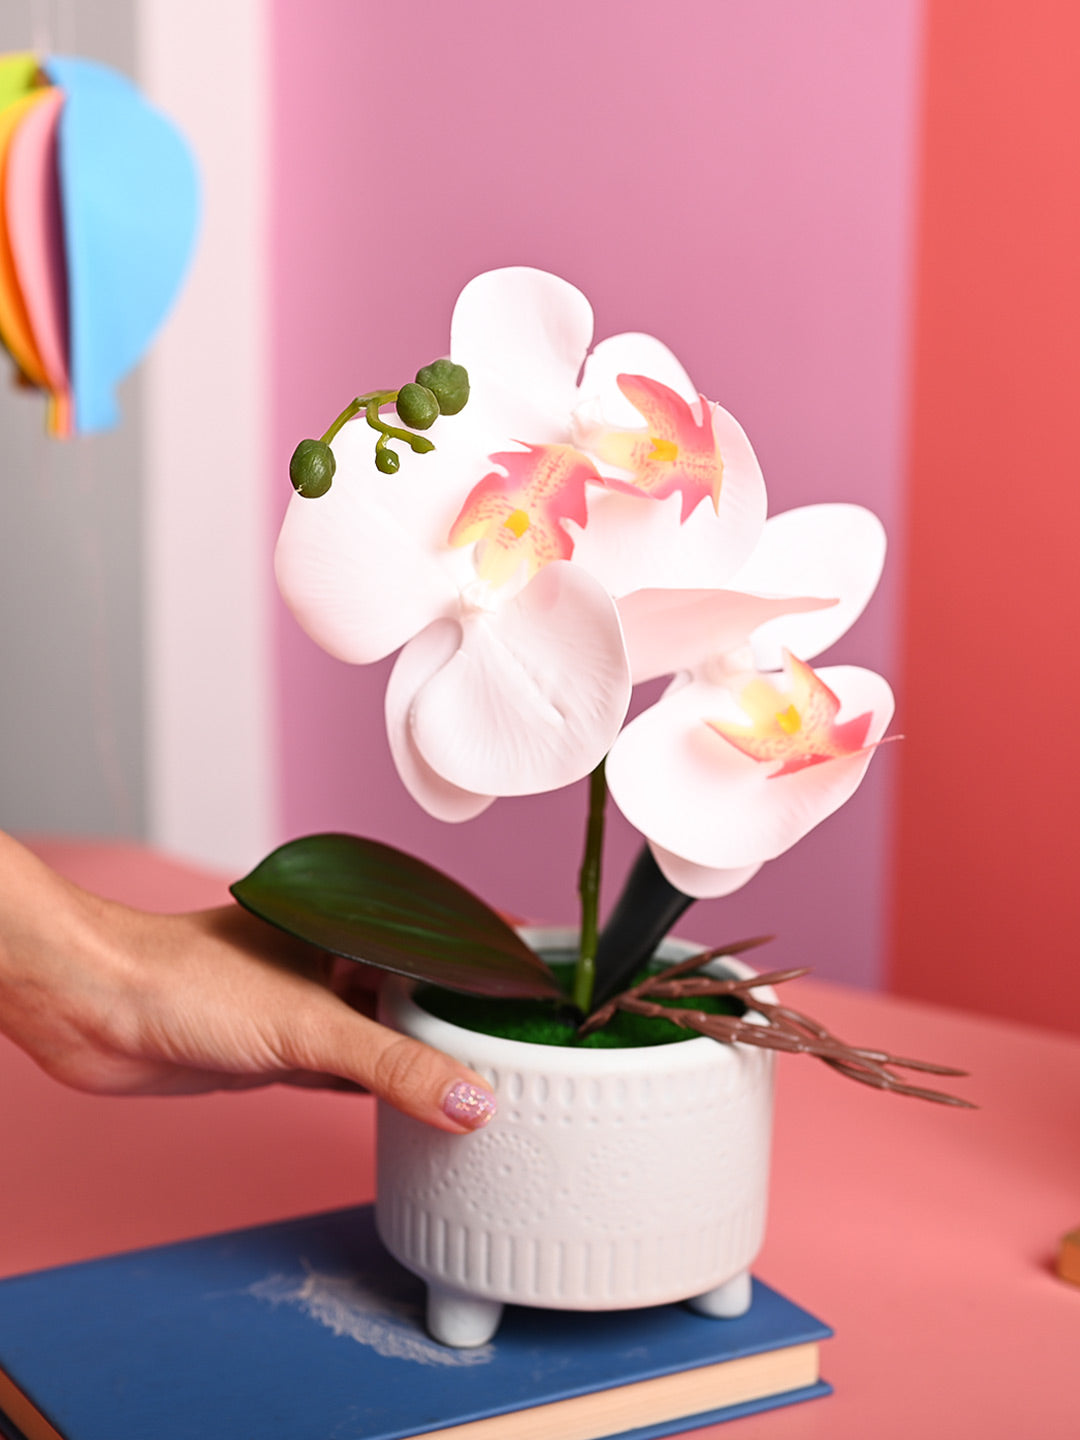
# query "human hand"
(120, 1002)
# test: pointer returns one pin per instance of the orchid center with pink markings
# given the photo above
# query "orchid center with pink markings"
(796, 725)
(675, 453)
(516, 518)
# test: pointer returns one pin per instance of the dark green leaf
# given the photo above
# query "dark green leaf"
(372, 903)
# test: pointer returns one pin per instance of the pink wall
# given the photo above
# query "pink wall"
(735, 180)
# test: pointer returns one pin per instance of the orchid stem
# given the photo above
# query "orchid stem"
(370, 405)
(589, 890)
(354, 407)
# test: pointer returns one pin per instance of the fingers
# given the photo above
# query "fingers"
(357, 985)
(218, 999)
(420, 1081)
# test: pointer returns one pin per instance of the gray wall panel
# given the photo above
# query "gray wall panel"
(72, 753)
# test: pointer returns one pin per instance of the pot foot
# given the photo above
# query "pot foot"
(727, 1301)
(462, 1321)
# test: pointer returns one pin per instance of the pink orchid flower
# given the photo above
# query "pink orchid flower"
(736, 762)
(495, 562)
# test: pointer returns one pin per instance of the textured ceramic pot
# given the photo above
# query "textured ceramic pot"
(609, 1179)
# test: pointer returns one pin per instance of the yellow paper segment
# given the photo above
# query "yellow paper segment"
(18, 74)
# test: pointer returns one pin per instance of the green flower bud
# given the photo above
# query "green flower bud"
(449, 383)
(311, 468)
(417, 407)
(386, 460)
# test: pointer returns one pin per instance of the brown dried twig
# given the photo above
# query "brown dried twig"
(785, 1029)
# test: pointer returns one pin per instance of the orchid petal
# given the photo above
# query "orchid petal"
(366, 566)
(359, 580)
(630, 354)
(522, 334)
(424, 655)
(691, 793)
(670, 630)
(534, 695)
(697, 880)
(828, 550)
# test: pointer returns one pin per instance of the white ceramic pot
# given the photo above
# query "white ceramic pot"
(609, 1179)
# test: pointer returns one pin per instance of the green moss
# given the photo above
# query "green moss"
(540, 1023)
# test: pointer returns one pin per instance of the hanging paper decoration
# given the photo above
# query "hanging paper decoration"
(98, 211)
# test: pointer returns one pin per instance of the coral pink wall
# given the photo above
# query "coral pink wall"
(989, 906)
(736, 179)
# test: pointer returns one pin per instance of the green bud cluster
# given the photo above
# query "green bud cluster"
(441, 388)
(448, 383)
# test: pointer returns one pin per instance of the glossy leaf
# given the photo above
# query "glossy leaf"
(374, 904)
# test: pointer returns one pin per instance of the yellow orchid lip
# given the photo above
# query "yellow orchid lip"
(517, 522)
(789, 720)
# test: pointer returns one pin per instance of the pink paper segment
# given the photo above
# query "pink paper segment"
(15, 327)
(35, 231)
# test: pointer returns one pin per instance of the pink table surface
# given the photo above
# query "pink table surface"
(925, 1236)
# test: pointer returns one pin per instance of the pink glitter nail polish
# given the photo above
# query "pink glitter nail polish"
(469, 1105)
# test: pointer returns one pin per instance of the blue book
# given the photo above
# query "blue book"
(307, 1329)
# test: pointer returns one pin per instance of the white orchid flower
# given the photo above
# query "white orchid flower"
(496, 560)
(749, 748)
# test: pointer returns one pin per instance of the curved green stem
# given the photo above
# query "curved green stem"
(354, 407)
(589, 890)
(420, 443)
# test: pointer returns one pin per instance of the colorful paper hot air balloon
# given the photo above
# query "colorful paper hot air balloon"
(98, 212)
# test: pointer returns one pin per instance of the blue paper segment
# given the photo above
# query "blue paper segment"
(130, 199)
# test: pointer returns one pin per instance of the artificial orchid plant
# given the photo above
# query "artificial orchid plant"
(535, 544)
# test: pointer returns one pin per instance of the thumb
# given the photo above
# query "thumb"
(413, 1077)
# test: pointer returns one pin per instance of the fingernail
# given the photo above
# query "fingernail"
(469, 1105)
